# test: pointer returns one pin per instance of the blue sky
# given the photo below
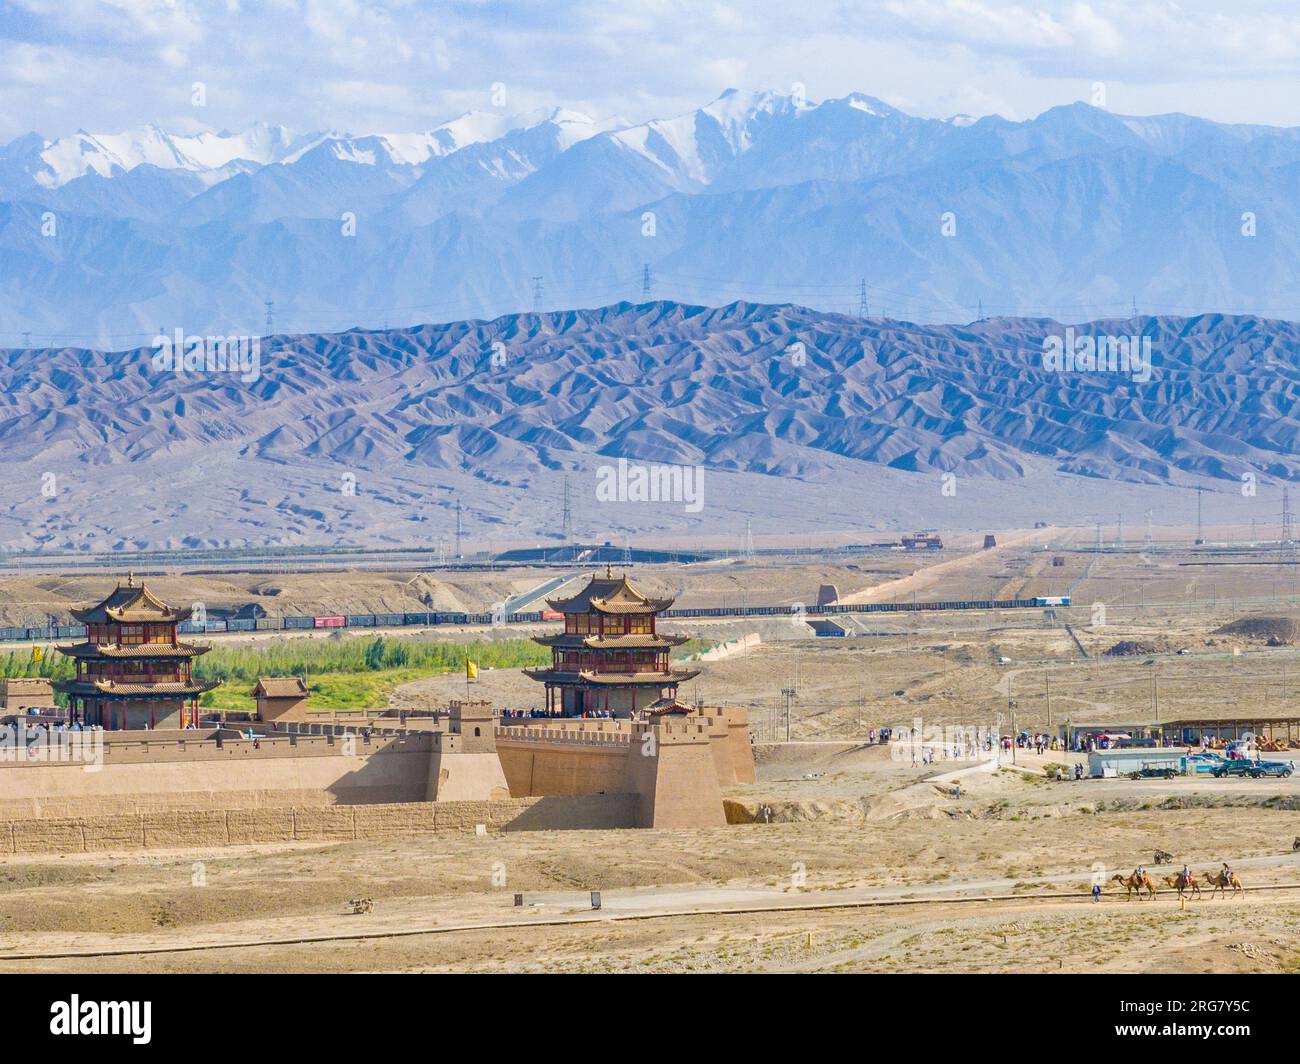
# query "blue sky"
(395, 65)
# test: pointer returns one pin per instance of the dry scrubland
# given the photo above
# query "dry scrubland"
(1007, 835)
(857, 821)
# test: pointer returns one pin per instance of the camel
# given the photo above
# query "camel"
(1135, 885)
(1176, 882)
(1218, 882)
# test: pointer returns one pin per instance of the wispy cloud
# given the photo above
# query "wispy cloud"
(408, 64)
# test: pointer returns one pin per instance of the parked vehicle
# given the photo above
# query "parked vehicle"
(1254, 769)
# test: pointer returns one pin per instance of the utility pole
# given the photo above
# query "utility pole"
(1011, 712)
(459, 532)
(1047, 684)
(789, 693)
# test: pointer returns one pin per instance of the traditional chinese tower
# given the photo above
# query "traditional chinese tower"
(132, 672)
(611, 655)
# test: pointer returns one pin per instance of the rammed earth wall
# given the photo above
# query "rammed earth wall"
(203, 828)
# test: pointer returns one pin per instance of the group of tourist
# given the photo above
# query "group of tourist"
(1039, 743)
(530, 714)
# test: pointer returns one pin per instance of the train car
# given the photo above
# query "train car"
(1052, 600)
(334, 621)
(418, 618)
(241, 624)
(359, 620)
(267, 624)
(300, 622)
(389, 620)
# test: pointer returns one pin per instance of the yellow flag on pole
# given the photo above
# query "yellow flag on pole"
(471, 670)
(38, 653)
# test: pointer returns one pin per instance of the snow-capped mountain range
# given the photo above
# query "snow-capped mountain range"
(1079, 212)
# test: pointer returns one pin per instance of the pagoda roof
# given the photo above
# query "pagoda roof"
(610, 594)
(132, 650)
(131, 603)
(95, 688)
(641, 641)
(612, 679)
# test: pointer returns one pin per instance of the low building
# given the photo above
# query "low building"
(26, 693)
(1122, 761)
(280, 698)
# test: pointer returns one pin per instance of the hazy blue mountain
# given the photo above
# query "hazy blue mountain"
(1076, 213)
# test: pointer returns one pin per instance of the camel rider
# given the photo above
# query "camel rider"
(1227, 873)
(1186, 876)
(1139, 873)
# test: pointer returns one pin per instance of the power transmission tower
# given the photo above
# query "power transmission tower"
(566, 515)
(27, 339)
(862, 298)
(1098, 537)
(1288, 518)
(1147, 540)
(537, 294)
(981, 305)
(749, 537)
(645, 281)
(459, 532)
(1119, 537)
(1200, 527)
(270, 316)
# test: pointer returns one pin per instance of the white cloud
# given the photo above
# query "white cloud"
(406, 64)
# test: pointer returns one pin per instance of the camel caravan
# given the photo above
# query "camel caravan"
(1183, 882)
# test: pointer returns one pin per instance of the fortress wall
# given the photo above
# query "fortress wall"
(209, 828)
(742, 750)
(677, 785)
(538, 767)
(269, 776)
(457, 777)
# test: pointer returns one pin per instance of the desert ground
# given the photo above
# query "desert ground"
(853, 859)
